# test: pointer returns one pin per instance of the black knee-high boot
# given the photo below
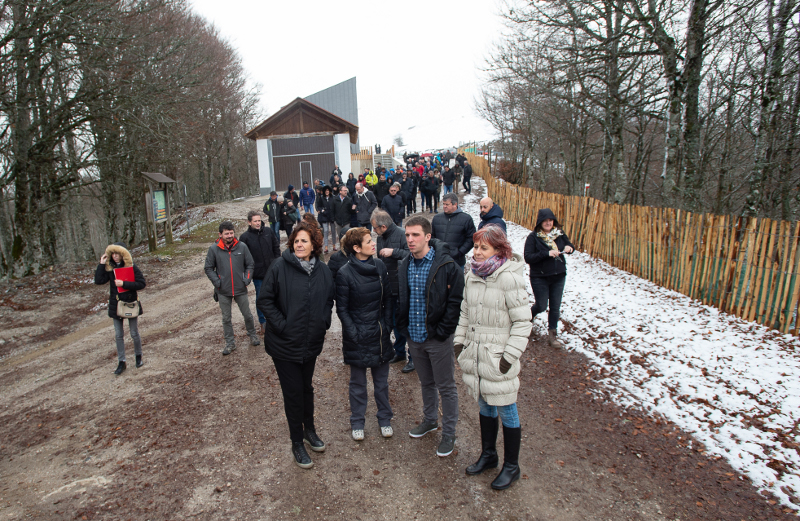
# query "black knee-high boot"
(510, 473)
(488, 459)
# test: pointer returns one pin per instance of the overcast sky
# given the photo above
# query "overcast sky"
(416, 62)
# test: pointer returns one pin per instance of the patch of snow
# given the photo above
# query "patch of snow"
(733, 384)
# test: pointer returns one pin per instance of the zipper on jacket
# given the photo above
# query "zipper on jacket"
(230, 262)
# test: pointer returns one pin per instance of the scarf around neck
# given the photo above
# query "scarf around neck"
(487, 267)
(550, 238)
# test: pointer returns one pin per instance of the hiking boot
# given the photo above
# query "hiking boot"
(397, 358)
(316, 444)
(120, 368)
(408, 367)
(423, 428)
(301, 457)
(357, 434)
(387, 431)
(255, 341)
(139, 362)
(553, 340)
(228, 349)
(446, 446)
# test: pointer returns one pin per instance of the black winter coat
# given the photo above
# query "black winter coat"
(365, 205)
(537, 252)
(264, 246)
(467, 171)
(362, 303)
(493, 216)
(408, 186)
(448, 177)
(297, 307)
(381, 190)
(289, 216)
(395, 238)
(335, 263)
(325, 209)
(455, 229)
(104, 274)
(395, 206)
(351, 185)
(443, 298)
(272, 209)
(342, 209)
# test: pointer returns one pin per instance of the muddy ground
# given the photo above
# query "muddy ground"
(195, 435)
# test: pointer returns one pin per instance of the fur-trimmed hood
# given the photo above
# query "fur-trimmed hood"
(127, 259)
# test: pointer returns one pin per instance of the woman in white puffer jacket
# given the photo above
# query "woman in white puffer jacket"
(491, 336)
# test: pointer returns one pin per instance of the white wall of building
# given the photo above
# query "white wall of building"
(265, 178)
(342, 149)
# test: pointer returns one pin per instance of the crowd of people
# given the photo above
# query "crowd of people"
(426, 292)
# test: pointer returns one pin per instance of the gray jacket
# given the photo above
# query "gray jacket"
(229, 270)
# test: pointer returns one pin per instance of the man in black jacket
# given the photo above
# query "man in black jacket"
(394, 204)
(455, 228)
(431, 287)
(272, 209)
(392, 248)
(229, 267)
(467, 182)
(264, 247)
(342, 209)
(364, 203)
(381, 189)
(448, 178)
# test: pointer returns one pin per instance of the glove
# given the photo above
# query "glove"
(457, 348)
(504, 365)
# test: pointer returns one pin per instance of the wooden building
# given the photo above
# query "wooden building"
(301, 142)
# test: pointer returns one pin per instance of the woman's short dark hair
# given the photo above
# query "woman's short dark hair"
(313, 232)
(354, 237)
(495, 237)
(328, 188)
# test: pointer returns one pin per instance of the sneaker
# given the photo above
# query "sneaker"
(358, 434)
(446, 446)
(397, 358)
(316, 444)
(301, 457)
(228, 350)
(387, 431)
(255, 341)
(408, 367)
(423, 428)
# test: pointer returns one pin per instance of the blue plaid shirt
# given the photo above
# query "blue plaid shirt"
(417, 276)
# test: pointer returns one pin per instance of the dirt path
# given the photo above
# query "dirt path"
(194, 435)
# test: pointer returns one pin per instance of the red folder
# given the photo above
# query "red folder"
(124, 274)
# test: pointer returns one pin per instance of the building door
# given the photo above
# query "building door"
(305, 173)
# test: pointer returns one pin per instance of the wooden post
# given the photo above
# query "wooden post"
(152, 236)
(168, 222)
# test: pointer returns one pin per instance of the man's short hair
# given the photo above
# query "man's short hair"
(226, 225)
(380, 218)
(453, 198)
(396, 185)
(353, 237)
(419, 220)
(253, 213)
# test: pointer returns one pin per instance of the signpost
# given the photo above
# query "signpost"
(156, 201)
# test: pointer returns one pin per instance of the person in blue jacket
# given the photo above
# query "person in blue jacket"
(307, 198)
(491, 214)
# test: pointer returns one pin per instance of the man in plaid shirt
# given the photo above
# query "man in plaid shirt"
(431, 287)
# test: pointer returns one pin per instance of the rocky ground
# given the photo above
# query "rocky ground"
(195, 435)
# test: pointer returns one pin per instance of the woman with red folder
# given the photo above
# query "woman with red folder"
(125, 280)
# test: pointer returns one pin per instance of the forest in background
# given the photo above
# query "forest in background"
(691, 104)
(92, 94)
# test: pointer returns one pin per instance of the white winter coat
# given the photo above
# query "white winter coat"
(495, 321)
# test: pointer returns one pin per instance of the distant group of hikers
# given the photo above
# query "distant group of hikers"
(412, 280)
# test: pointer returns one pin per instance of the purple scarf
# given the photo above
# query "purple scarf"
(487, 267)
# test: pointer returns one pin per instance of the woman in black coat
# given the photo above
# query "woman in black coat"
(362, 303)
(117, 256)
(351, 183)
(543, 253)
(325, 216)
(297, 299)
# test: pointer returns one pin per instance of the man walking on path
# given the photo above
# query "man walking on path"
(392, 248)
(272, 209)
(448, 178)
(431, 287)
(229, 267)
(491, 214)
(455, 228)
(264, 247)
(394, 204)
(467, 183)
(364, 203)
(342, 210)
(307, 198)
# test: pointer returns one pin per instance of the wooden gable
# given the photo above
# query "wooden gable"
(302, 118)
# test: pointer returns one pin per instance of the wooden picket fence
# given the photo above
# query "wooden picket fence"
(747, 267)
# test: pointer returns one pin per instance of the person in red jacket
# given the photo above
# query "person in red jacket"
(229, 267)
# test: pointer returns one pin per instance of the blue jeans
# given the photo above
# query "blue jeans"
(309, 208)
(448, 189)
(399, 340)
(508, 413)
(276, 227)
(548, 289)
(257, 284)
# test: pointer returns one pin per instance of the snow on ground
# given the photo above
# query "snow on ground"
(733, 384)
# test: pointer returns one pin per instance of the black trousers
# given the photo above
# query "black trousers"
(298, 394)
(548, 290)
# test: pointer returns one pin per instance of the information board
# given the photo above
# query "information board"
(160, 205)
